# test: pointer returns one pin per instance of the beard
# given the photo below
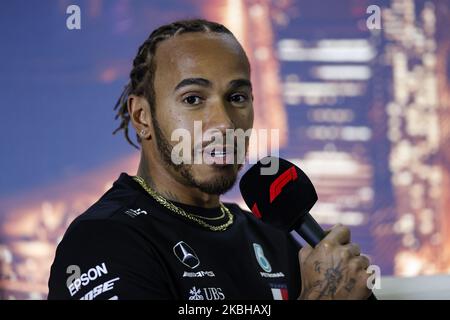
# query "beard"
(215, 186)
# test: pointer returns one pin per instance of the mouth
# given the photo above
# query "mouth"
(220, 155)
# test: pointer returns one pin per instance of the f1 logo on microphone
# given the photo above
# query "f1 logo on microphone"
(278, 184)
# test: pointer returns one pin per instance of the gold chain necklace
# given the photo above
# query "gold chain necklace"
(169, 205)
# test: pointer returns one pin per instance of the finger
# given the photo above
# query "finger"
(304, 252)
(338, 235)
(362, 261)
(353, 249)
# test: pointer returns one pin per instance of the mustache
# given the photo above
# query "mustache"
(230, 144)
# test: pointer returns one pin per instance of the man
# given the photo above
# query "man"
(164, 234)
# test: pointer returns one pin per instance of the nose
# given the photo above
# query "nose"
(219, 118)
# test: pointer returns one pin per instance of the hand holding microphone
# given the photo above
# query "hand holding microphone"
(334, 269)
(331, 266)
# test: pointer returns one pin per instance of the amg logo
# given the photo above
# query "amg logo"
(198, 274)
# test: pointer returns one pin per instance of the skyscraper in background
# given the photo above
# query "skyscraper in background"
(328, 69)
(443, 78)
(33, 223)
(415, 132)
(369, 126)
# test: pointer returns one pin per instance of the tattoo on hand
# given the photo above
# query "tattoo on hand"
(317, 266)
(350, 285)
(329, 285)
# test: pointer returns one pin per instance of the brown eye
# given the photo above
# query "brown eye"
(192, 100)
(238, 98)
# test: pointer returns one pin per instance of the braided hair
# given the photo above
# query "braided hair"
(143, 71)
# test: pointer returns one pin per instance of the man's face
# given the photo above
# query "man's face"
(201, 77)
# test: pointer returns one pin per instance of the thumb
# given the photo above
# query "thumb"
(304, 253)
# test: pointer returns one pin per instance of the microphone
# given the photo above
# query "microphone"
(283, 199)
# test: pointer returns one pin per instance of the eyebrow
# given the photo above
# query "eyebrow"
(206, 83)
(190, 81)
(239, 83)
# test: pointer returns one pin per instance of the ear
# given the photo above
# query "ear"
(140, 116)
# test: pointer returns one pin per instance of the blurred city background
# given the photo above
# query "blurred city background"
(364, 111)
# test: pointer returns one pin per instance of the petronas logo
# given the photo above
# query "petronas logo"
(262, 260)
